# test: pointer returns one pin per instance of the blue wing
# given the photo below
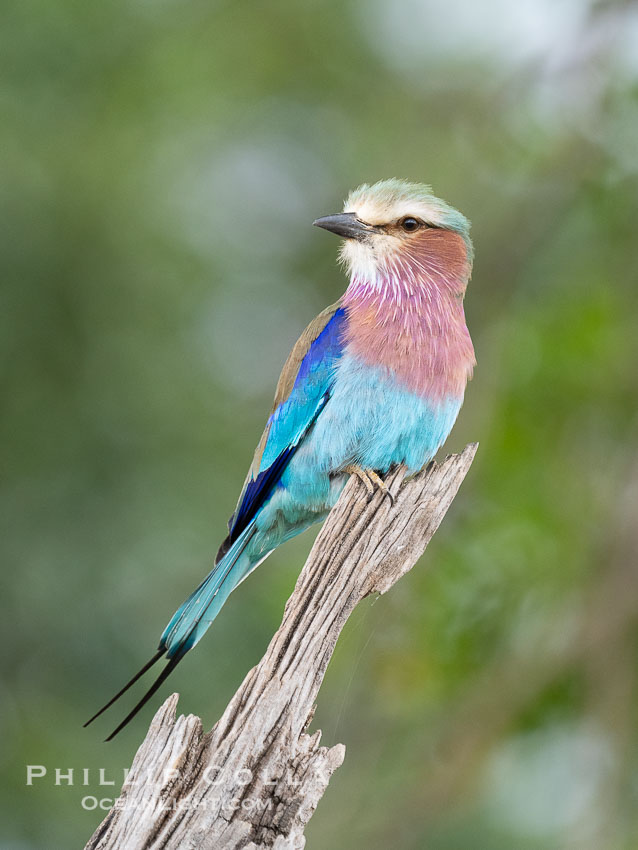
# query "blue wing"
(303, 389)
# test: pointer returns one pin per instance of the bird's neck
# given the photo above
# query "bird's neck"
(406, 316)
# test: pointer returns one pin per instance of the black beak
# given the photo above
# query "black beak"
(346, 225)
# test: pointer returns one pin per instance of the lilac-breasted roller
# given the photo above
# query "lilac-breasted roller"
(376, 380)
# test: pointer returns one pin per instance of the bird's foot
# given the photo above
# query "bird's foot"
(371, 480)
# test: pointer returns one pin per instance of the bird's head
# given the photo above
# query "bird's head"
(394, 225)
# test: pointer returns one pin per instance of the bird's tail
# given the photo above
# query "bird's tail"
(191, 620)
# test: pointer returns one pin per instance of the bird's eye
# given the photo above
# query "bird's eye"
(410, 224)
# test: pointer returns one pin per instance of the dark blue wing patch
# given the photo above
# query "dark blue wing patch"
(291, 420)
(255, 493)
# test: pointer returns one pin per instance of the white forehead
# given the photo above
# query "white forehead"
(390, 200)
(379, 210)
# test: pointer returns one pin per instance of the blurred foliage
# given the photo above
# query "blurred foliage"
(161, 166)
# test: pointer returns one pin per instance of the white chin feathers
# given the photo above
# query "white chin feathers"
(364, 260)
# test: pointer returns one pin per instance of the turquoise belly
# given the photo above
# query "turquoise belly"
(368, 421)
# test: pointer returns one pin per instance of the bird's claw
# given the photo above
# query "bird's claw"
(381, 485)
(370, 480)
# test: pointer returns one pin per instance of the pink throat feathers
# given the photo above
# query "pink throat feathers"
(410, 320)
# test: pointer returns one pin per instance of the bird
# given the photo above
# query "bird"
(375, 381)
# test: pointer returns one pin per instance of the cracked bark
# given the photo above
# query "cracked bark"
(255, 779)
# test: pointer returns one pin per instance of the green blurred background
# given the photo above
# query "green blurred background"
(161, 167)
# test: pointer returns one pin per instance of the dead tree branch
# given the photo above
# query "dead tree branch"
(255, 779)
